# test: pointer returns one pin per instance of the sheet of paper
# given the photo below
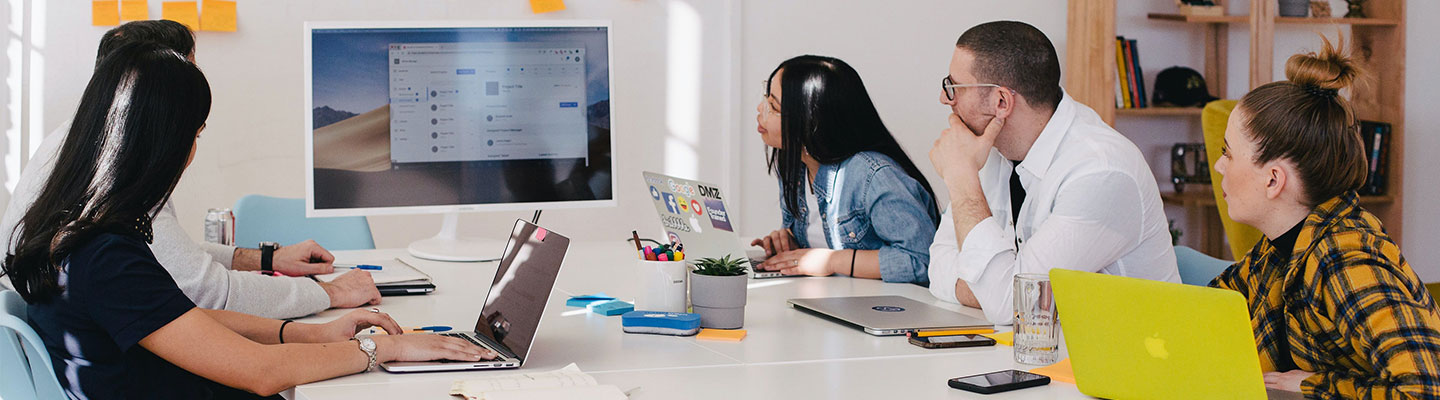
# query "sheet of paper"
(217, 15)
(134, 10)
(105, 13)
(391, 271)
(483, 388)
(545, 6)
(185, 12)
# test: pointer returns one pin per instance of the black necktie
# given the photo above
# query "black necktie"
(1017, 193)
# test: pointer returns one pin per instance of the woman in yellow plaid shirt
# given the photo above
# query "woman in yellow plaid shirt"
(1337, 311)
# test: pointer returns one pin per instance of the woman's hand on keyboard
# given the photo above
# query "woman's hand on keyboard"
(428, 348)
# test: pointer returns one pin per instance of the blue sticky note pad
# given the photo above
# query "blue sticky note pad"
(611, 307)
(585, 299)
(661, 323)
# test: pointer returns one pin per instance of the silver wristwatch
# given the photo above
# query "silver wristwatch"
(367, 345)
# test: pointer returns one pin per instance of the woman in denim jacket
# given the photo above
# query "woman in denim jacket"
(876, 211)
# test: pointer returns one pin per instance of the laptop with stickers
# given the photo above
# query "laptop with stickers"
(694, 214)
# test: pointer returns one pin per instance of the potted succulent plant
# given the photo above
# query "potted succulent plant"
(717, 291)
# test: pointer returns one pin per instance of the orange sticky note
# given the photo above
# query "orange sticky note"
(728, 335)
(545, 6)
(184, 12)
(134, 10)
(104, 13)
(1060, 371)
(217, 15)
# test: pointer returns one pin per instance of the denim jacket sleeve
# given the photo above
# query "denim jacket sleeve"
(797, 224)
(901, 218)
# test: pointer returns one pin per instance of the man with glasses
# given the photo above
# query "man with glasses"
(1036, 179)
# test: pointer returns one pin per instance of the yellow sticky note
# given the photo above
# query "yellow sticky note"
(545, 6)
(104, 13)
(217, 15)
(184, 12)
(1060, 371)
(728, 335)
(1005, 338)
(134, 10)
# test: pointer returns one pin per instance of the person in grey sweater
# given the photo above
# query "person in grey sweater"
(213, 276)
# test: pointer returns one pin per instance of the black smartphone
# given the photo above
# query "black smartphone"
(1000, 381)
(948, 341)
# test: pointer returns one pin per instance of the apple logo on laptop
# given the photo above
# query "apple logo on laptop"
(1156, 347)
(888, 308)
(695, 222)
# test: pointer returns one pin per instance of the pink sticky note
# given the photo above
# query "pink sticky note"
(540, 233)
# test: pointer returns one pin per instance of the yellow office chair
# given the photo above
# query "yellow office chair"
(1242, 237)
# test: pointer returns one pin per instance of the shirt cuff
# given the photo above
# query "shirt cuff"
(982, 243)
(220, 253)
(942, 282)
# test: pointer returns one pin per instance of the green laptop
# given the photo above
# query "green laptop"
(1132, 338)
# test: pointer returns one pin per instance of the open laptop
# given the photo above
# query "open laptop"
(514, 305)
(1132, 338)
(694, 214)
(886, 315)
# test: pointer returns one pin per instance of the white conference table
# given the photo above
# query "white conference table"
(786, 354)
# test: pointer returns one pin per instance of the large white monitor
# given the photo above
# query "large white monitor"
(449, 117)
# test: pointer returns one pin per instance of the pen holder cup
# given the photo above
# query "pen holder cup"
(664, 285)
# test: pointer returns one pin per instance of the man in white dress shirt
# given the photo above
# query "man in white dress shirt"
(1036, 180)
(213, 276)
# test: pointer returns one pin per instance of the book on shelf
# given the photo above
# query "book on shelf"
(1376, 138)
(1123, 100)
(1130, 90)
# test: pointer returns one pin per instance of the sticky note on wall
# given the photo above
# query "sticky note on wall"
(104, 13)
(217, 15)
(134, 10)
(184, 12)
(545, 6)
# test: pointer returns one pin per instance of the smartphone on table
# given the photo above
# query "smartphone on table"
(999, 381)
(948, 341)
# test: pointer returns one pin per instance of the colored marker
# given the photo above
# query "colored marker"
(362, 266)
(423, 329)
(662, 257)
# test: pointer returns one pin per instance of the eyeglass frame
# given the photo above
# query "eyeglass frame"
(947, 86)
(769, 108)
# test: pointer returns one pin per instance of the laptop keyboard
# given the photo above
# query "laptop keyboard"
(466, 337)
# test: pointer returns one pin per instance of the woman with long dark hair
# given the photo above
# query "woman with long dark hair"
(114, 321)
(836, 161)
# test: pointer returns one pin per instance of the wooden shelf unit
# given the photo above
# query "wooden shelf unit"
(1378, 43)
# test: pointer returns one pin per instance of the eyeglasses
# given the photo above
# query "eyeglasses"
(948, 86)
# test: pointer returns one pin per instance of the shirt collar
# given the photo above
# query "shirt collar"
(823, 176)
(1319, 220)
(1042, 152)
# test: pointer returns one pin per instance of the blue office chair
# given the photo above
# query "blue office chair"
(28, 374)
(274, 219)
(1196, 268)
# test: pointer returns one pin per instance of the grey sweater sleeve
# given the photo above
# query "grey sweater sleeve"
(211, 285)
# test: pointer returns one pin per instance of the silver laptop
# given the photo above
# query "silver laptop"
(514, 305)
(694, 214)
(886, 315)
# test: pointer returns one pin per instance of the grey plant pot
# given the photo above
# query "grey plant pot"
(720, 300)
(1294, 8)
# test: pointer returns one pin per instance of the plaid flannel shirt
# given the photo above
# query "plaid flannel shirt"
(1355, 314)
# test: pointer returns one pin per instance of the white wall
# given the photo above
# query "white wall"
(670, 89)
(1422, 140)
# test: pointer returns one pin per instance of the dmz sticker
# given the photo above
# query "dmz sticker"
(888, 308)
(718, 217)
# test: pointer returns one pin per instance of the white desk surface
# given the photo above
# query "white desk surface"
(786, 354)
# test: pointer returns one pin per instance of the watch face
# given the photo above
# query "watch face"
(367, 344)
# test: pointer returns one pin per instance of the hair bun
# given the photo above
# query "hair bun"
(1328, 70)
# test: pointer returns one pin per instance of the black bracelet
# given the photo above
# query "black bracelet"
(282, 330)
(852, 261)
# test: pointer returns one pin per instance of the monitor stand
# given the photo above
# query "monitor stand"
(447, 246)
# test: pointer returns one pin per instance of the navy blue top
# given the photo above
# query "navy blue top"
(114, 294)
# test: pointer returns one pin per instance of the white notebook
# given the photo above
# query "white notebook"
(561, 384)
(391, 271)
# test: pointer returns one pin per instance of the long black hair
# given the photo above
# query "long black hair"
(126, 149)
(826, 112)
